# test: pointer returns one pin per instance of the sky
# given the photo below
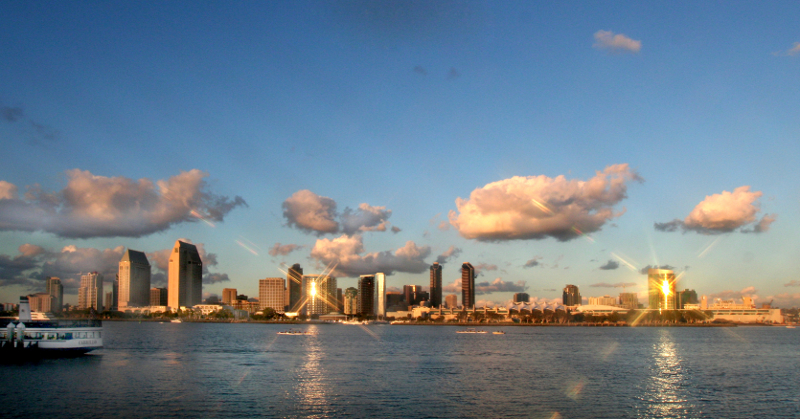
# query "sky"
(547, 143)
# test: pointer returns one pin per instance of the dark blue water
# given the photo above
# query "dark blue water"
(195, 370)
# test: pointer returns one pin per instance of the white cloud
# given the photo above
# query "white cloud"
(7, 190)
(536, 207)
(346, 253)
(723, 213)
(99, 206)
(283, 250)
(451, 252)
(616, 42)
(311, 212)
(317, 214)
(498, 285)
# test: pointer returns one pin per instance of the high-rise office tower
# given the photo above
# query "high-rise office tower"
(351, 301)
(522, 297)
(412, 294)
(436, 284)
(158, 296)
(661, 289)
(134, 279)
(339, 300)
(294, 288)
(90, 294)
(380, 295)
(571, 296)
(56, 289)
(320, 294)
(109, 300)
(451, 301)
(467, 285)
(366, 295)
(686, 296)
(629, 300)
(228, 296)
(115, 294)
(271, 294)
(41, 302)
(185, 276)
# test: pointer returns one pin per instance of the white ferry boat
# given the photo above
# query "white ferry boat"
(49, 337)
(296, 333)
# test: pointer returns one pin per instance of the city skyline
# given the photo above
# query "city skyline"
(546, 144)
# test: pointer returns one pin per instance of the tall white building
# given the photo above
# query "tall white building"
(320, 294)
(605, 300)
(90, 294)
(185, 284)
(134, 280)
(271, 294)
(380, 295)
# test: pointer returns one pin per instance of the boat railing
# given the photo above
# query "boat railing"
(60, 324)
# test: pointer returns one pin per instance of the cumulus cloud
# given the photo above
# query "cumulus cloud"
(283, 250)
(794, 50)
(532, 262)
(215, 278)
(396, 229)
(611, 264)
(8, 190)
(498, 285)
(644, 270)
(311, 212)
(479, 268)
(723, 213)
(346, 253)
(365, 218)
(317, 214)
(616, 285)
(23, 269)
(454, 287)
(609, 41)
(99, 206)
(451, 252)
(792, 283)
(536, 207)
(785, 300)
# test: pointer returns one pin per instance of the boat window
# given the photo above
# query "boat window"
(68, 335)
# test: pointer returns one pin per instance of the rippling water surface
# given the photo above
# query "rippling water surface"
(193, 370)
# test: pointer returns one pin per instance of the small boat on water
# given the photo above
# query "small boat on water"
(498, 332)
(296, 333)
(46, 337)
(175, 321)
(790, 327)
(472, 331)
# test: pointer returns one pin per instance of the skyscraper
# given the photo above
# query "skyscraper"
(158, 296)
(451, 301)
(185, 276)
(412, 294)
(629, 300)
(90, 294)
(467, 285)
(134, 280)
(320, 294)
(351, 301)
(522, 297)
(228, 296)
(380, 296)
(55, 289)
(686, 296)
(571, 296)
(271, 294)
(294, 287)
(661, 286)
(366, 295)
(436, 284)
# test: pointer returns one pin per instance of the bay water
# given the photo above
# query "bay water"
(242, 370)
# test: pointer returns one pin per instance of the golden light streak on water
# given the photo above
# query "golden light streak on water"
(369, 332)
(241, 379)
(575, 390)
(555, 415)
(625, 262)
(708, 248)
(609, 350)
(203, 219)
(542, 207)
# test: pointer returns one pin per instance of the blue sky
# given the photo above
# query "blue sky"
(305, 109)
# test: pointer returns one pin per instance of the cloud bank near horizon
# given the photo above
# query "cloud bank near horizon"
(98, 206)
